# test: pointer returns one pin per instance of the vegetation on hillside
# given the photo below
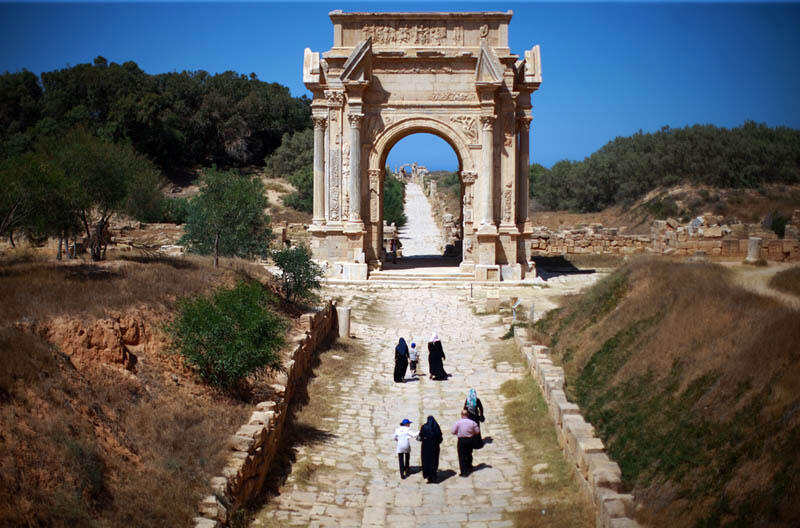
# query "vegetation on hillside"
(227, 217)
(176, 119)
(691, 382)
(72, 185)
(627, 168)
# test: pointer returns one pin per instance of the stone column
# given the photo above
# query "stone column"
(320, 123)
(487, 169)
(355, 166)
(524, 168)
(753, 249)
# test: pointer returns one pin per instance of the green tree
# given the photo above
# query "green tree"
(300, 275)
(105, 178)
(229, 335)
(394, 194)
(227, 217)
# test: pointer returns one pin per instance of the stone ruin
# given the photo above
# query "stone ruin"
(704, 235)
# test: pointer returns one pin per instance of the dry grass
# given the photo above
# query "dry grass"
(102, 450)
(40, 290)
(558, 500)
(103, 446)
(787, 281)
(693, 384)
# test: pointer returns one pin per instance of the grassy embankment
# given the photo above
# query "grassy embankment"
(557, 501)
(693, 384)
(787, 281)
(90, 443)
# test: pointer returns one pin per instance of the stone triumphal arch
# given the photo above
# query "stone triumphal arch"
(389, 75)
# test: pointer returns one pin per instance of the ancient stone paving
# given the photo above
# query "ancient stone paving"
(359, 483)
(420, 235)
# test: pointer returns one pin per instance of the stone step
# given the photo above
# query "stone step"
(377, 275)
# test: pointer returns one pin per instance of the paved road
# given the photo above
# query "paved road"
(360, 485)
(420, 235)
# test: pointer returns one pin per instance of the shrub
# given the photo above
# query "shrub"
(175, 210)
(230, 335)
(299, 274)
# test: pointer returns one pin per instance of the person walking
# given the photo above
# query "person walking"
(474, 407)
(466, 430)
(430, 434)
(402, 436)
(400, 361)
(436, 358)
(413, 357)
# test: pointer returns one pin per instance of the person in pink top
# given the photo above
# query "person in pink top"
(466, 430)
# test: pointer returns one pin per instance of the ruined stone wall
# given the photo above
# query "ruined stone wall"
(704, 235)
(255, 444)
(599, 476)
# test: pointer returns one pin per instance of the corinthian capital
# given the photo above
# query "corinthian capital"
(335, 98)
(524, 123)
(487, 121)
(355, 120)
(469, 177)
(320, 121)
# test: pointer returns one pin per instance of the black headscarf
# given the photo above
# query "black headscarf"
(401, 348)
(431, 430)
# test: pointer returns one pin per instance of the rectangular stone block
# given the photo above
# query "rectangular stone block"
(586, 447)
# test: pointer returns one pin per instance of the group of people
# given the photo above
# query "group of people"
(405, 356)
(467, 430)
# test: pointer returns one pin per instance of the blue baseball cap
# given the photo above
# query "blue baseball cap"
(405, 421)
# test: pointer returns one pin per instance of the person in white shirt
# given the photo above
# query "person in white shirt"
(403, 437)
(413, 357)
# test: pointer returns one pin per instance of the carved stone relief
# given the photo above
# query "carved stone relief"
(467, 126)
(346, 204)
(345, 160)
(335, 98)
(404, 34)
(374, 127)
(487, 122)
(454, 96)
(509, 130)
(336, 164)
(507, 203)
(374, 194)
(418, 67)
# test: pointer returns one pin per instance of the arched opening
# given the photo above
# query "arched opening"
(422, 194)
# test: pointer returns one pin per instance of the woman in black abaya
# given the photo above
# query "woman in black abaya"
(400, 361)
(431, 436)
(435, 358)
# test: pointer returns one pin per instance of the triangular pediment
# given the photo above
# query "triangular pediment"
(488, 70)
(358, 67)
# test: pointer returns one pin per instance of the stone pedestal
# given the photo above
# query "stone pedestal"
(487, 272)
(343, 315)
(508, 242)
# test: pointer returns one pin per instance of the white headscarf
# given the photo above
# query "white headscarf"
(434, 337)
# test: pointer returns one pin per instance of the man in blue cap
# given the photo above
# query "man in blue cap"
(403, 437)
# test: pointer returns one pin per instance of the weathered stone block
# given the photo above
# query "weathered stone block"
(201, 522)
(211, 508)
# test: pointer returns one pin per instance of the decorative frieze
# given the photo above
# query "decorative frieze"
(467, 126)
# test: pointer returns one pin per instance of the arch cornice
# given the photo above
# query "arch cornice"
(406, 126)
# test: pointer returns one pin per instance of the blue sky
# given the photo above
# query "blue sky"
(609, 69)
